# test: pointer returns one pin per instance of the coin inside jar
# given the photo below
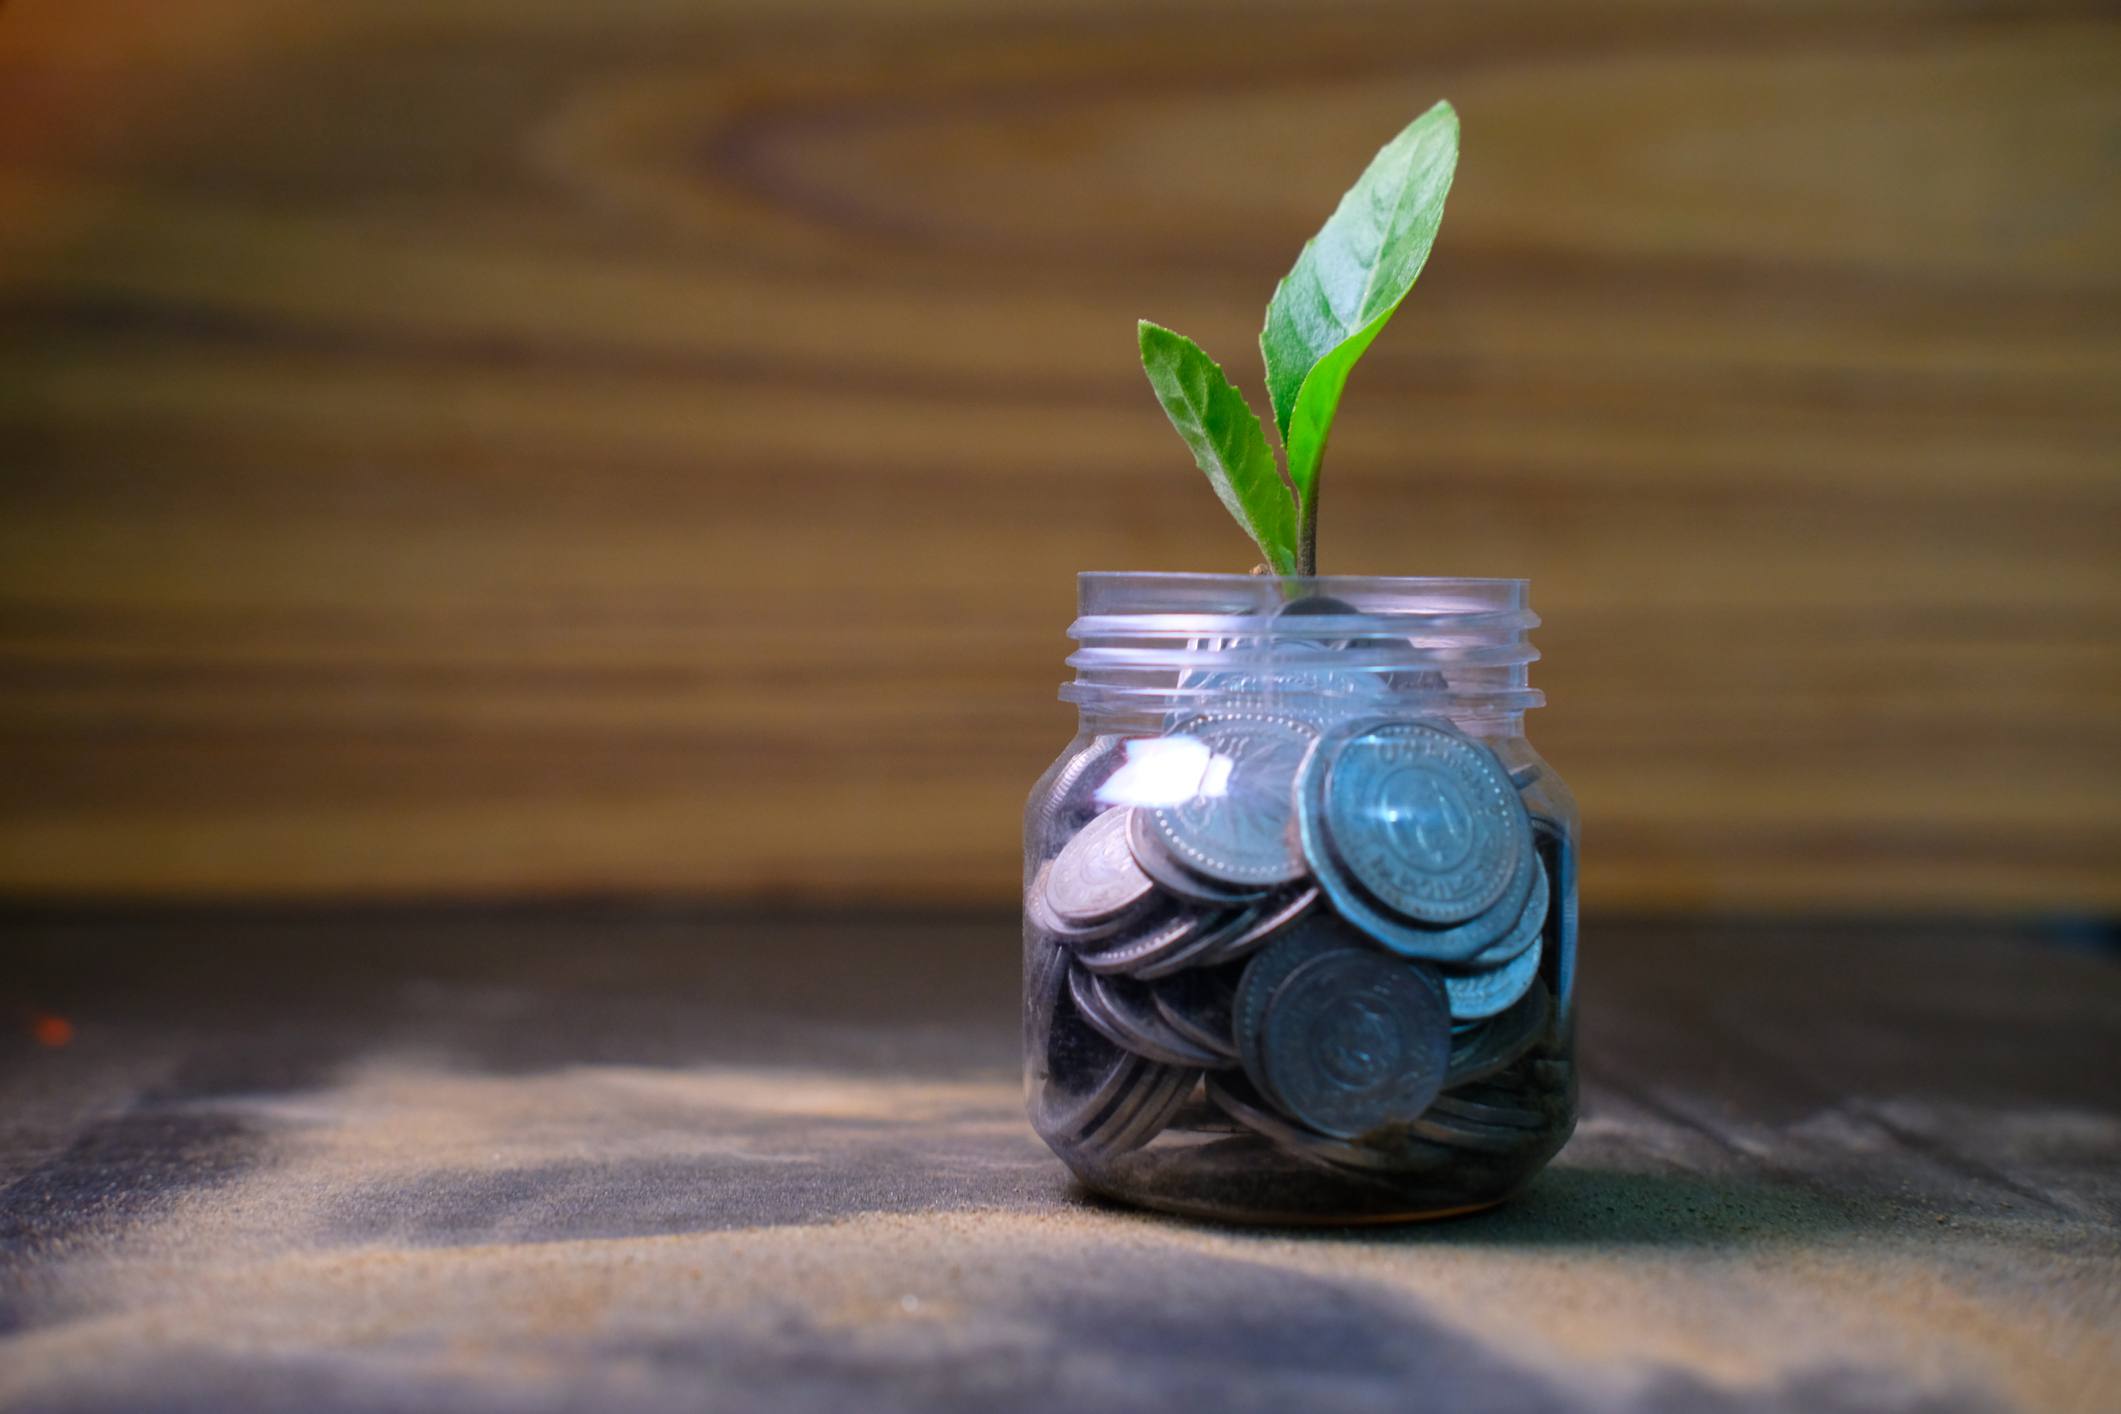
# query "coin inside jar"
(1425, 820)
(1238, 829)
(1475, 995)
(1453, 943)
(1171, 874)
(1354, 1040)
(1126, 1014)
(1094, 878)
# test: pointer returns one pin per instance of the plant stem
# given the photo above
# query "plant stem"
(1307, 534)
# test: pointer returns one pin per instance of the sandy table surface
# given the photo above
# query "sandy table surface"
(614, 1160)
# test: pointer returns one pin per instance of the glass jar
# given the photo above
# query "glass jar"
(1300, 901)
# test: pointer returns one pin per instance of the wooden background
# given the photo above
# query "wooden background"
(527, 447)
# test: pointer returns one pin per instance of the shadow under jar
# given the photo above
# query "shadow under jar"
(1300, 902)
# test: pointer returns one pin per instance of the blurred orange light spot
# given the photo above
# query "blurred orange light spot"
(53, 1031)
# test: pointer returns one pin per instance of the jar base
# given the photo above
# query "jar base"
(1224, 1218)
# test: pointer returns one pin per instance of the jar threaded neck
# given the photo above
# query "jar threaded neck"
(1157, 643)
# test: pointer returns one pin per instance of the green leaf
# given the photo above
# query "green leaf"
(1226, 438)
(1347, 282)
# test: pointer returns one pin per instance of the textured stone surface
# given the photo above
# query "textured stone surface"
(623, 1161)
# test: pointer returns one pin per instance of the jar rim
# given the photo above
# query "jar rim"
(1343, 581)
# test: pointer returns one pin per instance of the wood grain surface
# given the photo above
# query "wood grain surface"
(607, 1160)
(492, 447)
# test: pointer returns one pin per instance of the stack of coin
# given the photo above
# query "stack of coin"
(1347, 941)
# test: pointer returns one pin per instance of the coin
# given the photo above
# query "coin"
(1157, 1094)
(1238, 829)
(1127, 1084)
(1079, 1075)
(1039, 913)
(1095, 1098)
(1171, 874)
(1198, 1005)
(1491, 1046)
(1524, 933)
(1424, 819)
(1310, 693)
(1354, 1039)
(1126, 1015)
(1315, 606)
(1451, 944)
(1210, 942)
(1199, 1008)
(1164, 936)
(1372, 683)
(1496, 1111)
(1558, 854)
(1064, 1116)
(1045, 966)
(1235, 1096)
(1068, 800)
(1094, 878)
(1316, 935)
(1485, 993)
(1264, 924)
(1354, 903)
(1444, 1128)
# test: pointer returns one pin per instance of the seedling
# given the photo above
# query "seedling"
(1345, 285)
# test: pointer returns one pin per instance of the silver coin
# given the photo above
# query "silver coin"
(1171, 875)
(1159, 1092)
(1078, 1075)
(1211, 941)
(1240, 831)
(1137, 950)
(1316, 935)
(1354, 903)
(1039, 913)
(1194, 684)
(1198, 1005)
(1355, 640)
(1094, 878)
(1481, 994)
(1127, 1085)
(1495, 1112)
(1236, 1097)
(1069, 800)
(1063, 1117)
(1452, 944)
(1492, 1046)
(1424, 819)
(1126, 1015)
(1315, 694)
(1263, 925)
(1355, 1039)
(1524, 933)
(1094, 1097)
(1044, 967)
(1558, 854)
(1466, 1134)
(1311, 606)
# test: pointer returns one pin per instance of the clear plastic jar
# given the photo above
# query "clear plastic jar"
(1300, 901)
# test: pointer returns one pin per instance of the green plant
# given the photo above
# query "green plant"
(1345, 285)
